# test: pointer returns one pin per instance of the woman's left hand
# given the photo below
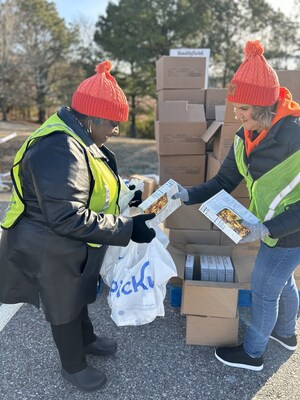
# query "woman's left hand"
(257, 231)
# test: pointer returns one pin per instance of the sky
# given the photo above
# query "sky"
(71, 10)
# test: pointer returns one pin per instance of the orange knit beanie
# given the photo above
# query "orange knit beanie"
(100, 96)
(255, 82)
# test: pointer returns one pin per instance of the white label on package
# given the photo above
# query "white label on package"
(227, 214)
(161, 203)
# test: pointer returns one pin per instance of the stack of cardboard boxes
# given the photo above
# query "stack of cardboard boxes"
(180, 119)
(194, 130)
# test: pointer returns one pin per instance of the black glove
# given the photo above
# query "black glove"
(137, 198)
(140, 231)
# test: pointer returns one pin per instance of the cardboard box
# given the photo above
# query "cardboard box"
(188, 170)
(220, 113)
(243, 257)
(150, 184)
(214, 97)
(217, 299)
(212, 167)
(193, 96)
(188, 217)
(180, 111)
(227, 213)
(161, 203)
(212, 331)
(179, 138)
(291, 80)
(180, 72)
(181, 237)
(223, 141)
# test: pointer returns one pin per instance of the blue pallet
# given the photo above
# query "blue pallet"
(244, 298)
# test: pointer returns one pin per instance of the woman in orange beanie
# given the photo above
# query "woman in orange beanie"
(63, 215)
(266, 153)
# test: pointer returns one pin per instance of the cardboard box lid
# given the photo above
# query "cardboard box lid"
(211, 131)
(178, 258)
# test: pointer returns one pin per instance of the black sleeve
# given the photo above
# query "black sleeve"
(227, 178)
(61, 182)
(285, 223)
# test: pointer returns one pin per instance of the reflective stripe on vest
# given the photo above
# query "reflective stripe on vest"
(105, 191)
(275, 190)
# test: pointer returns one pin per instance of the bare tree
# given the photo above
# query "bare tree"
(8, 61)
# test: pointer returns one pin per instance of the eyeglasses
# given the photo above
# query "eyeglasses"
(115, 126)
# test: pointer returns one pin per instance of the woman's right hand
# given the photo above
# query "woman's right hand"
(182, 194)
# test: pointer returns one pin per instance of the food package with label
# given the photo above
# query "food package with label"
(228, 215)
(161, 203)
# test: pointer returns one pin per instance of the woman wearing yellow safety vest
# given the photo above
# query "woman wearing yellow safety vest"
(266, 153)
(62, 216)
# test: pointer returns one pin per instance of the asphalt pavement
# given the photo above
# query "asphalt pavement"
(153, 361)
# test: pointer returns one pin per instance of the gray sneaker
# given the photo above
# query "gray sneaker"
(289, 343)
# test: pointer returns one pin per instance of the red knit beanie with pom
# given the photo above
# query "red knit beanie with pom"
(255, 82)
(100, 96)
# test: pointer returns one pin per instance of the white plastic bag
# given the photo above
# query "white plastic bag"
(138, 286)
(115, 253)
(126, 194)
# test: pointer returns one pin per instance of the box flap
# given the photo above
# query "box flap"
(211, 131)
(192, 248)
(178, 258)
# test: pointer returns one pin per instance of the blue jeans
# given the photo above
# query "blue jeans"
(275, 298)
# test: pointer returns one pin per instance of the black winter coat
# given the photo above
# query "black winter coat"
(44, 258)
(282, 140)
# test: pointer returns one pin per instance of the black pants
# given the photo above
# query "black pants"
(70, 340)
